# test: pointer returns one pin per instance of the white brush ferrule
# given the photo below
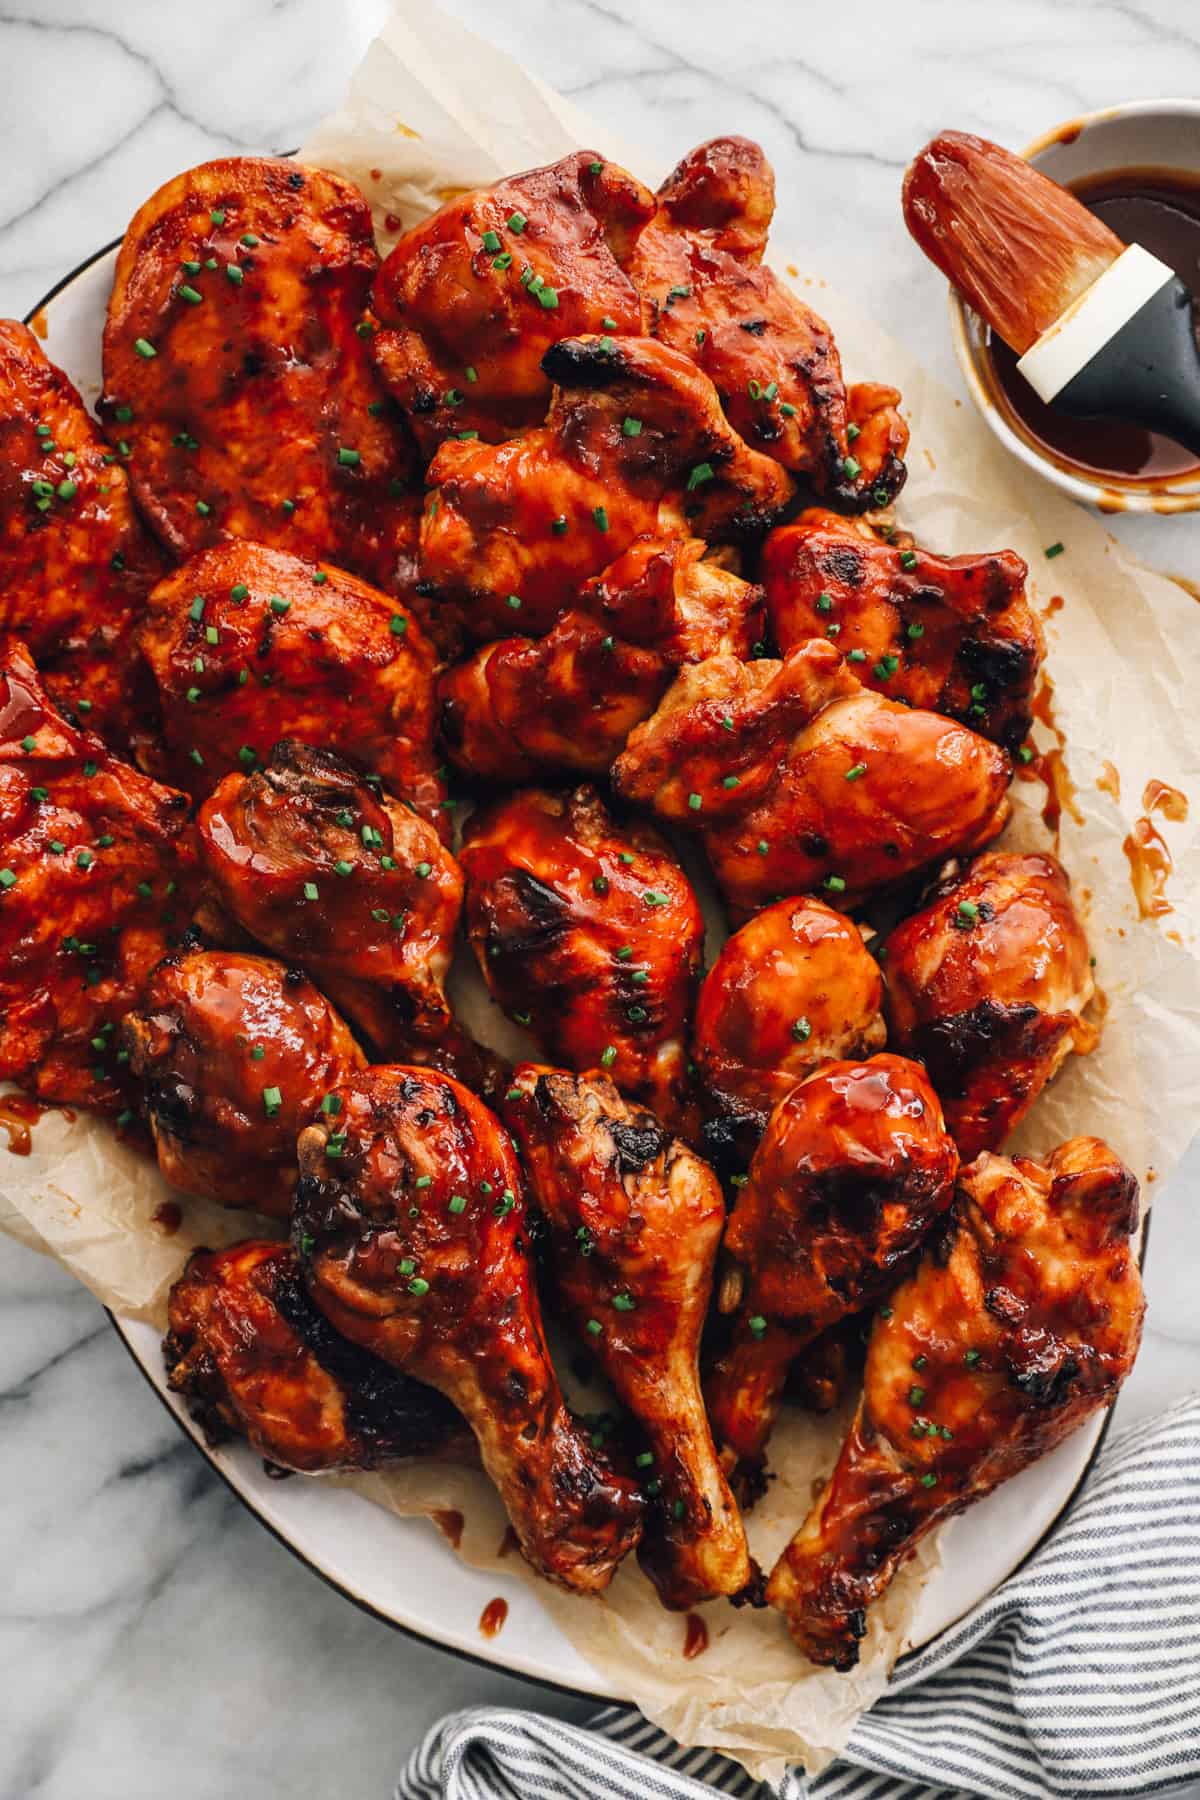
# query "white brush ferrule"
(1093, 320)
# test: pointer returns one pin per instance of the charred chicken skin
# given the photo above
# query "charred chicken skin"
(1022, 1319)
(253, 1358)
(987, 986)
(410, 1224)
(853, 1169)
(333, 874)
(635, 1221)
(250, 645)
(90, 865)
(236, 1054)
(474, 296)
(794, 988)
(237, 367)
(772, 360)
(799, 778)
(591, 936)
(75, 563)
(568, 701)
(954, 634)
(635, 444)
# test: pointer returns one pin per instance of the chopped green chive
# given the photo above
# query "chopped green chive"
(503, 261)
(145, 348)
(513, 602)
(731, 781)
(311, 891)
(218, 217)
(916, 1395)
(7, 878)
(348, 459)
(490, 240)
(695, 802)
(342, 867)
(908, 559)
(856, 656)
(757, 1325)
(203, 508)
(190, 295)
(1025, 754)
(1053, 550)
(279, 605)
(418, 1286)
(801, 1030)
(600, 884)
(600, 515)
(608, 1056)
(593, 1328)
(623, 1302)
(423, 870)
(631, 427)
(458, 1203)
(929, 1480)
(855, 771)
(700, 474)
(517, 222)
(836, 884)
(272, 1101)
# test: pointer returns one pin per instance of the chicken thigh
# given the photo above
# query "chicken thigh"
(237, 367)
(987, 986)
(474, 296)
(853, 1169)
(794, 988)
(1022, 1319)
(800, 778)
(249, 645)
(75, 563)
(635, 1221)
(237, 1054)
(410, 1225)
(591, 936)
(331, 873)
(772, 360)
(635, 444)
(252, 1357)
(955, 634)
(91, 860)
(568, 701)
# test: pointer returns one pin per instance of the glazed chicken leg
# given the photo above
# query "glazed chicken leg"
(800, 778)
(955, 634)
(1022, 1319)
(235, 1055)
(634, 444)
(854, 1167)
(569, 700)
(706, 293)
(987, 986)
(410, 1224)
(337, 876)
(635, 1222)
(254, 1358)
(794, 988)
(591, 936)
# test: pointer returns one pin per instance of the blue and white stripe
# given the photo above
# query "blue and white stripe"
(1080, 1677)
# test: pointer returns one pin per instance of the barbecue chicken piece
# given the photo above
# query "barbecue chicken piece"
(591, 935)
(252, 1357)
(410, 1224)
(951, 633)
(854, 1168)
(635, 1221)
(237, 367)
(250, 645)
(75, 562)
(986, 986)
(90, 859)
(236, 1054)
(474, 296)
(333, 874)
(799, 778)
(794, 988)
(568, 701)
(635, 444)
(1022, 1319)
(772, 360)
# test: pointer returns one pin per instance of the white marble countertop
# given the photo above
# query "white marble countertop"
(154, 1639)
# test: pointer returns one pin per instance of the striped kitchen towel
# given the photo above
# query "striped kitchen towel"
(1079, 1677)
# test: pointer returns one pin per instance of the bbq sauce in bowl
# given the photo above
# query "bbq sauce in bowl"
(1159, 209)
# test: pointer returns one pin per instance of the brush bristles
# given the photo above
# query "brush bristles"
(1018, 247)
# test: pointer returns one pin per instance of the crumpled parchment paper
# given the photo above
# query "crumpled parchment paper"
(433, 110)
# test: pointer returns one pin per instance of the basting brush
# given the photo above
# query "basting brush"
(1100, 327)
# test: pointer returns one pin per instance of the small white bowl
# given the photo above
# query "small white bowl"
(1143, 134)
